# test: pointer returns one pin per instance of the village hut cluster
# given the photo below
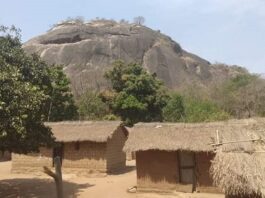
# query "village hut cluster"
(217, 157)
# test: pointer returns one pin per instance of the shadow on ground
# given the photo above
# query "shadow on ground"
(41, 188)
(127, 169)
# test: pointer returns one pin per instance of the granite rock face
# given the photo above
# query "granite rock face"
(87, 50)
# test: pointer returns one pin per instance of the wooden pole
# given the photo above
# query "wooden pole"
(57, 176)
(237, 141)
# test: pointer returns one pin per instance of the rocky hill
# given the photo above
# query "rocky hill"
(88, 49)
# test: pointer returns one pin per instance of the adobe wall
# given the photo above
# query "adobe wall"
(32, 162)
(160, 170)
(204, 181)
(116, 157)
(130, 156)
(157, 170)
(89, 158)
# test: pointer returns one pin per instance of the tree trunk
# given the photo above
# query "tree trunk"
(57, 176)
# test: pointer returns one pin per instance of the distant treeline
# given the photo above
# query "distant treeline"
(137, 96)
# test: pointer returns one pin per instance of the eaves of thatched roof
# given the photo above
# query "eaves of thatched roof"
(95, 131)
(194, 137)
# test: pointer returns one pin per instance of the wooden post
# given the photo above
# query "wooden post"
(217, 137)
(57, 176)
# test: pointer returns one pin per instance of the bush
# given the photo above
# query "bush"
(203, 111)
(174, 110)
(91, 107)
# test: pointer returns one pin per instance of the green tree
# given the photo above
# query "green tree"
(91, 107)
(197, 110)
(21, 119)
(174, 110)
(59, 103)
(138, 95)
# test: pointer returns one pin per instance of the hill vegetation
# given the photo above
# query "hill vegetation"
(137, 95)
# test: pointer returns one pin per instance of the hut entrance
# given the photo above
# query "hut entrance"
(58, 152)
(186, 168)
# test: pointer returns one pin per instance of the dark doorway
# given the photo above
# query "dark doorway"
(58, 152)
(187, 166)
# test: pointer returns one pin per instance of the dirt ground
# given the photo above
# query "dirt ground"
(112, 186)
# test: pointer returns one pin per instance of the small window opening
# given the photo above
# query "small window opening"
(77, 146)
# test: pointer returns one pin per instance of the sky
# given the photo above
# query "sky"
(223, 31)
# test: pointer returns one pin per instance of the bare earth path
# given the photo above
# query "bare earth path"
(113, 186)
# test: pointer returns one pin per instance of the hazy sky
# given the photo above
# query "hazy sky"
(228, 31)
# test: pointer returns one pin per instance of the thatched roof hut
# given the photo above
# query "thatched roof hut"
(84, 147)
(239, 164)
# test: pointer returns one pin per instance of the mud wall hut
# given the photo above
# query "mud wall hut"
(85, 148)
(178, 157)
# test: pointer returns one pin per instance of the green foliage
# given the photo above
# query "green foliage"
(174, 111)
(138, 96)
(110, 117)
(239, 82)
(59, 104)
(91, 107)
(203, 111)
(21, 124)
(30, 93)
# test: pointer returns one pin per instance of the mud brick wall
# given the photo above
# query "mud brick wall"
(31, 162)
(87, 155)
(116, 157)
(204, 181)
(157, 169)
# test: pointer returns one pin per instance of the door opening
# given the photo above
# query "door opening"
(187, 168)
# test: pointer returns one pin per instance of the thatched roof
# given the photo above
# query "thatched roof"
(193, 137)
(95, 131)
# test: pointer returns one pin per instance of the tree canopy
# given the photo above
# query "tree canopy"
(31, 92)
(91, 107)
(59, 103)
(138, 95)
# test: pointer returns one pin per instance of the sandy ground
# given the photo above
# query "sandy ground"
(112, 186)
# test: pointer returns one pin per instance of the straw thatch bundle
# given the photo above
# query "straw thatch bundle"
(239, 173)
(242, 171)
(95, 131)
